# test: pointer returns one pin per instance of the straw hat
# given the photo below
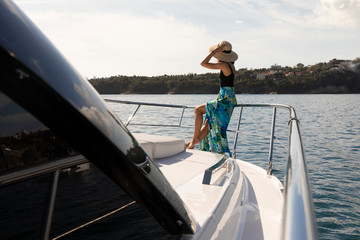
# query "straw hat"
(227, 55)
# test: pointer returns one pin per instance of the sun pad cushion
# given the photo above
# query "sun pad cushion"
(160, 146)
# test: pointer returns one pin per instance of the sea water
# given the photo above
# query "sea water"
(330, 128)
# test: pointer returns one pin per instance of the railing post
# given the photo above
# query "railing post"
(182, 115)
(237, 133)
(269, 170)
(132, 116)
(51, 203)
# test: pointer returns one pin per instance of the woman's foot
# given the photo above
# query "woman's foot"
(192, 143)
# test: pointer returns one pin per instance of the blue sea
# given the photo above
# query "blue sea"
(330, 128)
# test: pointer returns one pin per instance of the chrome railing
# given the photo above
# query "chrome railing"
(52, 167)
(237, 131)
(298, 215)
(214, 168)
(38, 170)
(139, 104)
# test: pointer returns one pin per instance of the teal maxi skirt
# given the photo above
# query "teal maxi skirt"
(218, 114)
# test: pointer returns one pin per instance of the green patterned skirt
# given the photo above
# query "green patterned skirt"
(218, 114)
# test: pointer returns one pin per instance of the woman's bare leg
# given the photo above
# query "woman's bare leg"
(204, 130)
(199, 131)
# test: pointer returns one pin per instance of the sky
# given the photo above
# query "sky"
(157, 37)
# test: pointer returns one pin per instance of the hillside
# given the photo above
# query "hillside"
(335, 76)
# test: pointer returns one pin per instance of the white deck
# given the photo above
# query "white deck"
(258, 218)
(265, 201)
(247, 206)
(190, 163)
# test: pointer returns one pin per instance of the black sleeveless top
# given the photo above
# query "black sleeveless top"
(227, 81)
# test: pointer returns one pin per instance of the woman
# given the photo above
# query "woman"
(212, 135)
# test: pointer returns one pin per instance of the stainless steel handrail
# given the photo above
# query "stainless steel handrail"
(52, 167)
(41, 169)
(183, 107)
(214, 168)
(298, 215)
(150, 104)
(292, 115)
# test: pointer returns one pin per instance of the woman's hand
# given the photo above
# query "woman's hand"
(219, 48)
(205, 62)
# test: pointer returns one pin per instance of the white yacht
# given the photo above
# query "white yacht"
(52, 120)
